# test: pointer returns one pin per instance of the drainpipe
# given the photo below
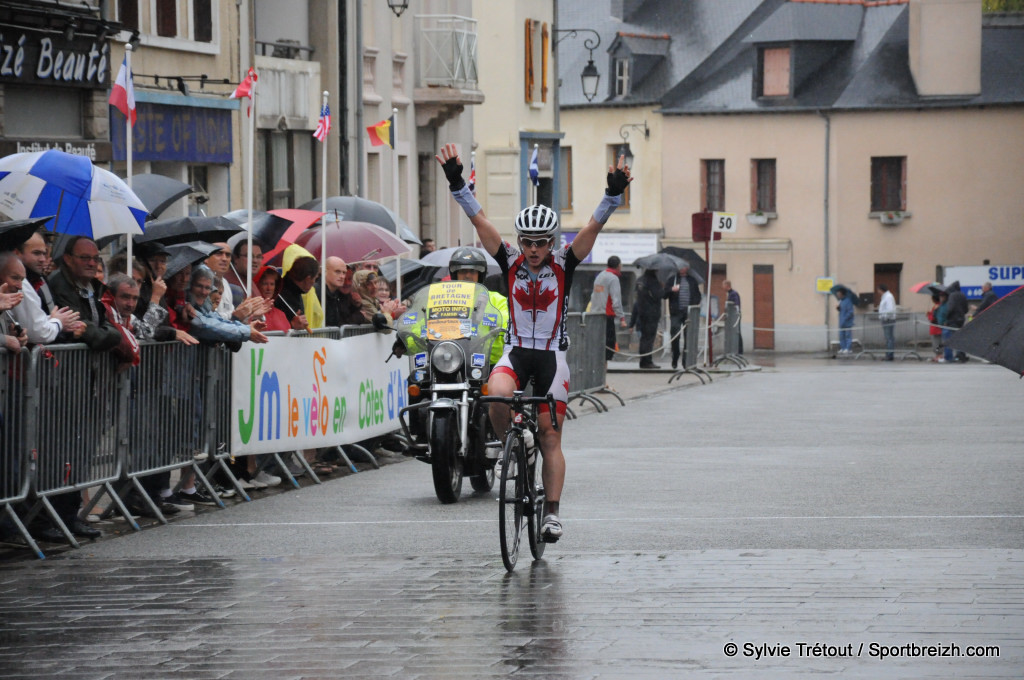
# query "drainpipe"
(358, 83)
(828, 140)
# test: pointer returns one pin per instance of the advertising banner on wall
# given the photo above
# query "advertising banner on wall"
(1004, 278)
(302, 393)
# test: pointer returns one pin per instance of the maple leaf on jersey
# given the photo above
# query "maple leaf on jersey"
(533, 297)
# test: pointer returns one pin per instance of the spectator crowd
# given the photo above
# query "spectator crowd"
(64, 291)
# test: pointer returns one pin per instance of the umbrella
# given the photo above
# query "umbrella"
(387, 269)
(16, 232)
(356, 209)
(298, 221)
(190, 228)
(665, 266)
(157, 192)
(840, 287)
(698, 265)
(997, 334)
(353, 242)
(84, 199)
(441, 258)
(928, 288)
(181, 255)
(266, 227)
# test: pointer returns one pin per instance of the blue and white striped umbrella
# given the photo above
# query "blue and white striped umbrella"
(85, 200)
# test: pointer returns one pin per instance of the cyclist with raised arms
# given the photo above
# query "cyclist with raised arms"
(539, 277)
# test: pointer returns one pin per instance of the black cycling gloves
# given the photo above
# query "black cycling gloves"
(617, 183)
(453, 171)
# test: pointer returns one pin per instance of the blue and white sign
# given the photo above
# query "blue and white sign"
(420, 360)
(478, 360)
(1004, 278)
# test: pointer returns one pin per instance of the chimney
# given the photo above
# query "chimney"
(945, 47)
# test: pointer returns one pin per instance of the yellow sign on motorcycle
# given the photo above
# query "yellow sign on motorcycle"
(449, 307)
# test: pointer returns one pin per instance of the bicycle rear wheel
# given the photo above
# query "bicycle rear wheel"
(511, 500)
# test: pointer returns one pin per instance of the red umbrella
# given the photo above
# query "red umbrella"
(353, 242)
(300, 219)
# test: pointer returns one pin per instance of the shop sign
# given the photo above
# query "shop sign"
(96, 151)
(31, 57)
(175, 133)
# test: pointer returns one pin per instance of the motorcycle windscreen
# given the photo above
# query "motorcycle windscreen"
(454, 309)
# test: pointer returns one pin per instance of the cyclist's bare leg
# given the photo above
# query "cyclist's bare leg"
(500, 385)
(553, 470)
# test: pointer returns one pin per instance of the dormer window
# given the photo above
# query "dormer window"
(775, 72)
(621, 77)
(633, 58)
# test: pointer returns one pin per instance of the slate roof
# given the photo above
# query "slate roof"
(709, 61)
(802, 21)
(871, 72)
(695, 27)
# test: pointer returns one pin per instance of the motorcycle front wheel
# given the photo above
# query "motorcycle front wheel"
(445, 462)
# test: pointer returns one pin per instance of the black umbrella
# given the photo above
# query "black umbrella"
(840, 287)
(387, 269)
(665, 266)
(158, 191)
(16, 232)
(266, 228)
(997, 334)
(698, 265)
(356, 209)
(192, 228)
(182, 255)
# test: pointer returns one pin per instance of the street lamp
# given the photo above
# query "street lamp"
(398, 6)
(624, 150)
(590, 77)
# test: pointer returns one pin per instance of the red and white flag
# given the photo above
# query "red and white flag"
(323, 127)
(122, 96)
(244, 88)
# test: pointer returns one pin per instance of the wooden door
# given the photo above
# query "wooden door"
(764, 306)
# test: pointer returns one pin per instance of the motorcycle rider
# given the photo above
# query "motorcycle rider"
(539, 277)
(469, 264)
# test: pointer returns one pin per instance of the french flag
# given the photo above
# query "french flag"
(122, 96)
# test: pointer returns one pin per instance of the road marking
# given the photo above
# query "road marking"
(651, 520)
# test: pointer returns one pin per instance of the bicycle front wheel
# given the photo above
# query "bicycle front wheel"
(535, 510)
(511, 500)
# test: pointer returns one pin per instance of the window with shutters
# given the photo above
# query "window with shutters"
(888, 183)
(712, 180)
(537, 51)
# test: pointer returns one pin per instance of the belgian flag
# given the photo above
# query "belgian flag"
(383, 132)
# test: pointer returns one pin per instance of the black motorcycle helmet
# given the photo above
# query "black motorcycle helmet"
(468, 258)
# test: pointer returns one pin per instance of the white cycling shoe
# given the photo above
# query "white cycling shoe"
(551, 528)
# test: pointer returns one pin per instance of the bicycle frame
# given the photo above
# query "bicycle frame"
(525, 503)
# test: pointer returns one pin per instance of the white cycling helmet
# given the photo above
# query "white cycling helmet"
(537, 221)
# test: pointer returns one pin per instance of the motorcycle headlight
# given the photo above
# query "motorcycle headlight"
(446, 358)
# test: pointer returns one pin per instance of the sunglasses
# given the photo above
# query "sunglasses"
(534, 242)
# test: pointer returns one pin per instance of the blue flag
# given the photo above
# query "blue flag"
(534, 170)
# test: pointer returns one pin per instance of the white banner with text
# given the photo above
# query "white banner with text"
(304, 393)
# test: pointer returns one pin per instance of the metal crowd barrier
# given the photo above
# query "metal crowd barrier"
(869, 331)
(72, 419)
(587, 367)
(16, 459)
(79, 402)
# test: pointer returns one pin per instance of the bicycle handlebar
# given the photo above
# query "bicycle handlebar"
(517, 400)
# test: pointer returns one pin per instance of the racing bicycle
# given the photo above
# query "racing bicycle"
(521, 492)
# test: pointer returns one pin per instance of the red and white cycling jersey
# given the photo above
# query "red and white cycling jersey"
(537, 304)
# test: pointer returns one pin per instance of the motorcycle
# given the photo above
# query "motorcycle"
(448, 331)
